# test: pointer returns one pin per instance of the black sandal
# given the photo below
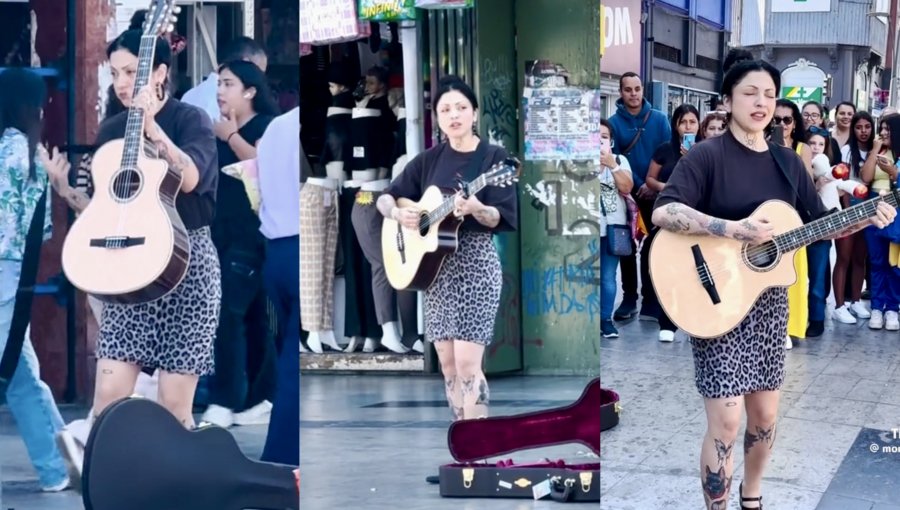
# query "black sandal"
(749, 500)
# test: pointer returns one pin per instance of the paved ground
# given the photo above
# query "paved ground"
(20, 488)
(369, 441)
(841, 397)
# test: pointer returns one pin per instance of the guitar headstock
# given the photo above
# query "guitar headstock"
(161, 17)
(504, 173)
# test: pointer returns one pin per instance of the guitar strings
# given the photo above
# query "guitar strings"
(817, 228)
(446, 206)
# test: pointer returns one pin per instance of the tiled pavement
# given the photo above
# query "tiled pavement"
(841, 394)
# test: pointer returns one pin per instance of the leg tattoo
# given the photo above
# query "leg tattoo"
(715, 484)
(762, 435)
(453, 400)
(723, 451)
(483, 393)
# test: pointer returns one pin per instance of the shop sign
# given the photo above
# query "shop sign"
(387, 10)
(801, 5)
(444, 4)
(620, 36)
(330, 21)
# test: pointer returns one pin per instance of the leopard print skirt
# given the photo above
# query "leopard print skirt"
(176, 332)
(462, 303)
(749, 358)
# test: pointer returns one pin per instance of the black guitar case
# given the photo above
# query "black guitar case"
(139, 457)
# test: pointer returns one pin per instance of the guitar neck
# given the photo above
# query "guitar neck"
(134, 126)
(833, 224)
(446, 207)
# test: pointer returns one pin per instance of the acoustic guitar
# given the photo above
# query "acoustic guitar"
(130, 245)
(707, 285)
(414, 257)
(139, 457)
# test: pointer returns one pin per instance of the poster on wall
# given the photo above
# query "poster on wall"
(330, 21)
(387, 10)
(561, 123)
(801, 5)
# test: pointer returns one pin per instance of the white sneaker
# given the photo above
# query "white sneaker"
(256, 415)
(860, 310)
(218, 415)
(419, 347)
(892, 321)
(788, 343)
(61, 486)
(877, 320)
(666, 335)
(844, 316)
(73, 454)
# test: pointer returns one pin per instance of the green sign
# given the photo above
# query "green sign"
(387, 10)
(801, 95)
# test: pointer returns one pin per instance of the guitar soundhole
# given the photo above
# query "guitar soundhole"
(126, 184)
(424, 226)
(762, 257)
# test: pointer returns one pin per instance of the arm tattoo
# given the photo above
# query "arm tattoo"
(77, 200)
(489, 217)
(173, 155)
(682, 219)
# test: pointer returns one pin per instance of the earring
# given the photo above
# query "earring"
(159, 92)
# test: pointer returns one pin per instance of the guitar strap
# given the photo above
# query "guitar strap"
(24, 297)
(783, 165)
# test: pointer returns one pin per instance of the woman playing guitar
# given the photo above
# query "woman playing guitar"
(176, 332)
(461, 306)
(712, 192)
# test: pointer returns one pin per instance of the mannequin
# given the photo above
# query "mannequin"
(367, 222)
(318, 249)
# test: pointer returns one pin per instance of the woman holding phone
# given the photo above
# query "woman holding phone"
(685, 126)
(615, 180)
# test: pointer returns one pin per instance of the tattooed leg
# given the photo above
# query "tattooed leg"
(717, 455)
(759, 439)
(475, 395)
(716, 487)
(454, 398)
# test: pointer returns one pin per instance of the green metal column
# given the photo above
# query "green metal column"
(497, 89)
(560, 273)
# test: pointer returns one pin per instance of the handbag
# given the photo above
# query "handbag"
(618, 237)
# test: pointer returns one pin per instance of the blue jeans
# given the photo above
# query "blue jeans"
(29, 399)
(885, 289)
(608, 266)
(281, 274)
(817, 256)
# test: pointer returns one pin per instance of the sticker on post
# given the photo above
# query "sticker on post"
(359, 152)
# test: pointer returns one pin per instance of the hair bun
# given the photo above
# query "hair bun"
(735, 56)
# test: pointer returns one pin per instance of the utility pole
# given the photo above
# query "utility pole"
(888, 81)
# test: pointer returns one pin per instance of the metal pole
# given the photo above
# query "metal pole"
(887, 78)
(412, 88)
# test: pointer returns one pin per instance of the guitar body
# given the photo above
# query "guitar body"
(417, 264)
(738, 282)
(139, 457)
(157, 260)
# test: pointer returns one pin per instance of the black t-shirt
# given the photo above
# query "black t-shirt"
(727, 180)
(190, 129)
(441, 165)
(667, 157)
(236, 226)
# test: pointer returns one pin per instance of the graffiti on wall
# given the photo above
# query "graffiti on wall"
(499, 115)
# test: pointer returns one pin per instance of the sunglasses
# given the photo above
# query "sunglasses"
(787, 121)
(815, 130)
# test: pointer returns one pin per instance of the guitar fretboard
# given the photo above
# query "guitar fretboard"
(134, 126)
(830, 225)
(446, 207)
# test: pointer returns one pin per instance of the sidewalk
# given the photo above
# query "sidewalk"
(21, 490)
(840, 397)
(368, 442)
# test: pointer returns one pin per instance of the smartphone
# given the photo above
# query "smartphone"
(688, 140)
(883, 159)
(605, 146)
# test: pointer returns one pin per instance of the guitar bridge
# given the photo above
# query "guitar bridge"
(117, 242)
(401, 245)
(705, 275)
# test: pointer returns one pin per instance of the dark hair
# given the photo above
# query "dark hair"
(853, 143)
(242, 48)
(629, 74)
(379, 73)
(22, 95)
(252, 76)
(738, 64)
(605, 123)
(680, 112)
(799, 133)
(818, 107)
(893, 122)
(824, 133)
(130, 41)
(450, 83)
(137, 20)
(113, 104)
(845, 103)
(711, 116)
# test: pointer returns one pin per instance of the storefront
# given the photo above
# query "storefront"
(620, 48)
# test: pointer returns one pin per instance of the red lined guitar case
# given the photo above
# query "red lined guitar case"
(471, 441)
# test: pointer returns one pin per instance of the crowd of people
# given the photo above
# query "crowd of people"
(233, 320)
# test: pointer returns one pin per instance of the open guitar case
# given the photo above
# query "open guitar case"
(472, 442)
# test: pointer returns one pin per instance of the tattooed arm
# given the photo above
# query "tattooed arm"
(175, 157)
(488, 216)
(682, 219)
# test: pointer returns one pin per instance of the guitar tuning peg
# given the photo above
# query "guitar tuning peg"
(177, 9)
